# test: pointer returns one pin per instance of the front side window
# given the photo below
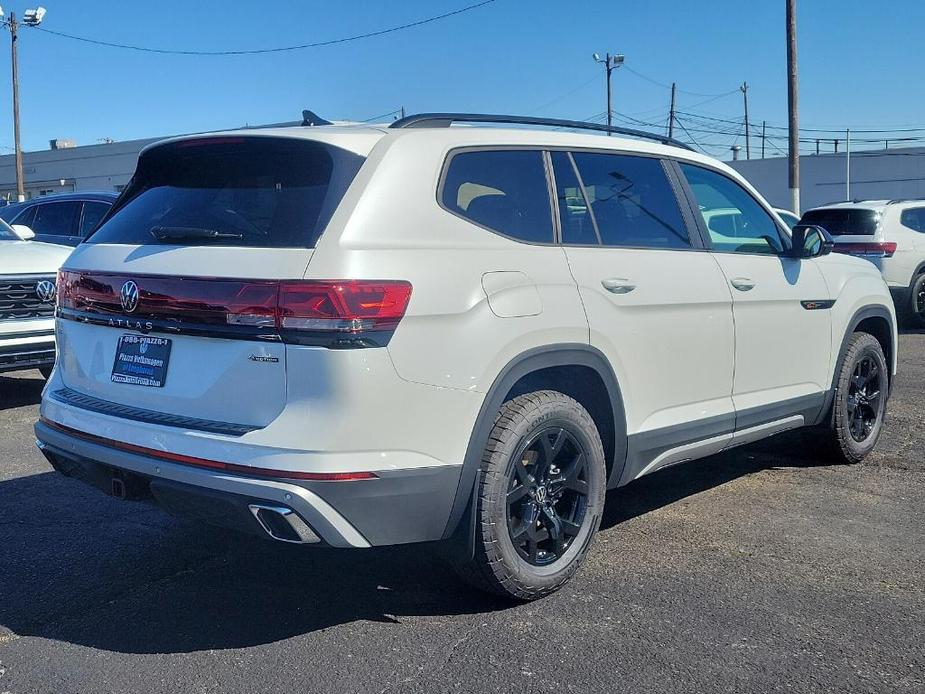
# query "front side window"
(56, 218)
(505, 191)
(734, 219)
(631, 201)
(914, 218)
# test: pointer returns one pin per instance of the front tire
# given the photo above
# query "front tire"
(540, 497)
(860, 400)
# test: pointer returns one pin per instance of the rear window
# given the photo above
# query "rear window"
(257, 192)
(844, 222)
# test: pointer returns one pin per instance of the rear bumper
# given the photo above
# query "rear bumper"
(399, 506)
(900, 297)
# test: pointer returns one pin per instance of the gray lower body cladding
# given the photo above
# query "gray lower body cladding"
(398, 507)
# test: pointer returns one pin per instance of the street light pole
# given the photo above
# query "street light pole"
(31, 18)
(610, 62)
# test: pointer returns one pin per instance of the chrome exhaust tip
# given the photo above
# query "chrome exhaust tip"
(283, 524)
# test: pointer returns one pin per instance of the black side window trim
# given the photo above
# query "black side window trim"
(698, 217)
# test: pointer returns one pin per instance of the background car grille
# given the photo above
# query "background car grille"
(18, 299)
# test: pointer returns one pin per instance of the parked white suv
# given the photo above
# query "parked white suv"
(375, 335)
(891, 235)
(27, 299)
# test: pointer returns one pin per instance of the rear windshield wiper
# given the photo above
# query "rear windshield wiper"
(162, 233)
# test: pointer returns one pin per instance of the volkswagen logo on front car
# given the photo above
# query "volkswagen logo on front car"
(46, 291)
(129, 296)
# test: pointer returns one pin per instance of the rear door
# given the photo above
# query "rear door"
(193, 255)
(783, 328)
(658, 305)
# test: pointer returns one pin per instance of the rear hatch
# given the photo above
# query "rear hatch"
(169, 311)
(856, 230)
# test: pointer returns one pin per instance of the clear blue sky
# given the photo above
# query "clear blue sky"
(859, 67)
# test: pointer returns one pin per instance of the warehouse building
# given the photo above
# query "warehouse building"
(885, 174)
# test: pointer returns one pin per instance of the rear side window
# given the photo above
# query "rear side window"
(255, 192)
(844, 221)
(56, 218)
(505, 191)
(574, 212)
(914, 218)
(632, 201)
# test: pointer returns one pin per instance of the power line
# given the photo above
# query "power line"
(566, 94)
(256, 51)
(668, 86)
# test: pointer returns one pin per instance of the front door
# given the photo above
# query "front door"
(783, 327)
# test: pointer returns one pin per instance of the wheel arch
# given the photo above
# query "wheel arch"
(876, 321)
(547, 367)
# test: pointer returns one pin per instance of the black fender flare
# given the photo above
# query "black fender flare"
(859, 316)
(565, 354)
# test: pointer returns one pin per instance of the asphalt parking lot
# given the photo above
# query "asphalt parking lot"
(762, 569)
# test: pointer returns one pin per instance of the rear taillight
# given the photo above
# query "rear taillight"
(874, 249)
(352, 306)
(334, 313)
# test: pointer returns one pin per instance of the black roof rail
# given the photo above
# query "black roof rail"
(899, 200)
(444, 120)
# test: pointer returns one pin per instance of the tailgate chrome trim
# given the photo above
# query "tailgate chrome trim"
(68, 396)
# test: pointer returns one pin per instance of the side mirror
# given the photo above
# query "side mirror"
(810, 241)
(23, 232)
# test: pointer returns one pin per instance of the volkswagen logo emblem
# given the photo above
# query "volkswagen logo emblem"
(129, 296)
(46, 291)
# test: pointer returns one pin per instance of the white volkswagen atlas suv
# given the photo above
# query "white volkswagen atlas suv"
(27, 299)
(891, 235)
(365, 335)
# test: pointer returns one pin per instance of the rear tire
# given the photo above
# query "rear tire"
(539, 501)
(916, 309)
(861, 390)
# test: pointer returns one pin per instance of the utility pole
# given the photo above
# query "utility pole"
(610, 62)
(817, 145)
(30, 18)
(748, 148)
(793, 150)
(14, 34)
(671, 111)
(764, 127)
(847, 163)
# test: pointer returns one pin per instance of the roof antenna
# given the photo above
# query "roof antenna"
(311, 118)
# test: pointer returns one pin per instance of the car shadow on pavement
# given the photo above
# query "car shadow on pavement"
(659, 489)
(19, 391)
(84, 568)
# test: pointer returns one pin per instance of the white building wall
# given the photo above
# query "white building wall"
(875, 175)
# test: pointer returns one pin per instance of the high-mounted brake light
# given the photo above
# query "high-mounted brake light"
(874, 249)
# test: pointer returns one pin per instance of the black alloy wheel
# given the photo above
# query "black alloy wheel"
(865, 389)
(547, 496)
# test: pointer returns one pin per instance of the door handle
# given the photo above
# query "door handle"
(743, 284)
(618, 285)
